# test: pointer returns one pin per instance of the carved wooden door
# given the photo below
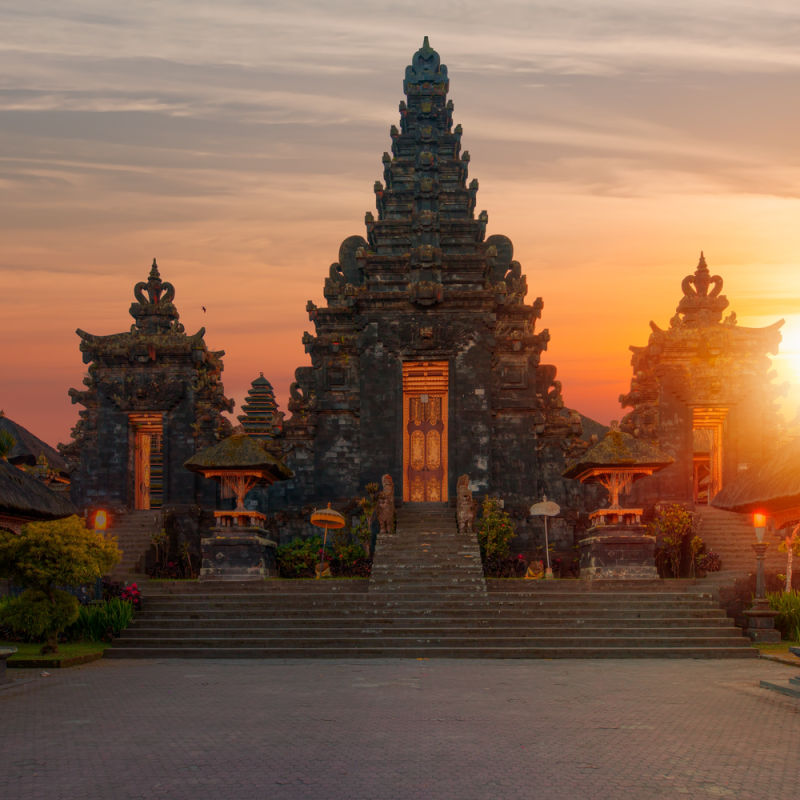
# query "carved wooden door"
(425, 463)
(142, 474)
(148, 469)
(425, 432)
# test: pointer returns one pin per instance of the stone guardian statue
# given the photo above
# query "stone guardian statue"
(386, 505)
(466, 507)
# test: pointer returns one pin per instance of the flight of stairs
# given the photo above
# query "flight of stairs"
(134, 531)
(427, 598)
(426, 557)
(732, 536)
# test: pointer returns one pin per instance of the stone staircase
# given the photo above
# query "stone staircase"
(134, 531)
(427, 557)
(732, 536)
(427, 598)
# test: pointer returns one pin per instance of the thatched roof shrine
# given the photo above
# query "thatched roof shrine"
(22, 495)
(239, 452)
(618, 450)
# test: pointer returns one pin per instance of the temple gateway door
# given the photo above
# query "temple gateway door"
(148, 477)
(425, 431)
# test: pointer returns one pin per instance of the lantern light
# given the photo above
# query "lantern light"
(100, 520)
(759, 523)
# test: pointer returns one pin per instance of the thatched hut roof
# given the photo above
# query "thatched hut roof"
(773, 488)
(22, 495)
(618, 449)
(27, 447)
(239, 452)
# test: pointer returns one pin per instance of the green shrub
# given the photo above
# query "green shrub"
(43, 556)
(99, 623)
(350, 561)
(495, 532)
(673, 527)
(787, 604)
(298, 558)
(36, 615)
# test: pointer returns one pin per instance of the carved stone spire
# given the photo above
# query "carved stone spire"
(261, 417)
(702, 303)
(153, 309)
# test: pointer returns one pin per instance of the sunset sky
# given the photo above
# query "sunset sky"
(238, 143)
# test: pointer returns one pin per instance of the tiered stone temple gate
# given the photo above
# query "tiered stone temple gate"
(426, 361)
(153, 397)
(702, 391)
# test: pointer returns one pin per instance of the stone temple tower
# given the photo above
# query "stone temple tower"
(703, 391)
(426, 358)
(153, 397)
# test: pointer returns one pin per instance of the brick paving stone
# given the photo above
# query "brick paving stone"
(398, 729)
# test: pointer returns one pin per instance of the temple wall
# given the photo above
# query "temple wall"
(337, 455)
(381, 404)
(471, 417)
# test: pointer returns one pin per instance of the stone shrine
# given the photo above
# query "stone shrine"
(617, 545)
(153, 397)
(702, 391)
(426, 358)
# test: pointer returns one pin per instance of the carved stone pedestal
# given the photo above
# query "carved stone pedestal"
(236, 554)
(5, 652)
(761, 623)
(621, 552)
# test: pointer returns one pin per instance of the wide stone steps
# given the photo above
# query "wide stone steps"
(356, 640)
(433, 651)
(290, 627)
(427, 598)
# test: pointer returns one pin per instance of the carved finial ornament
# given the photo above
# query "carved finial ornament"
(702, 303)
(153, 309)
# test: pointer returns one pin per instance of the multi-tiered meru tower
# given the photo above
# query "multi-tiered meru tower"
(425, 362)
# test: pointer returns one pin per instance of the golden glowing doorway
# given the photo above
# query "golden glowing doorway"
(708, 424)
(148, 465)
(425, 431)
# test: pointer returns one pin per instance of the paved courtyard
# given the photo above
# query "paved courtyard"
(401, 729)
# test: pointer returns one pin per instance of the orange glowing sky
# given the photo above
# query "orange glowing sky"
(238, 143)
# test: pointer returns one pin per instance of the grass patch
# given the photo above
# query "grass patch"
(775, 647)
(67, 652)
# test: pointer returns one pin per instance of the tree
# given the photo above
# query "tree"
(672, 526)
(790, 544)
(495, 532)
(43, 557)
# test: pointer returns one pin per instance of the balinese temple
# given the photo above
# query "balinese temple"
(426, 358)
(703, 392)
(153, 398)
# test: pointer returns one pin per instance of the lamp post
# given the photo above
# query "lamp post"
(100, 523)
(760, 547)
(100, 520)
(761, 618)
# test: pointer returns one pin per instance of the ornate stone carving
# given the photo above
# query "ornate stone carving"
(466, 507)
(386, 512)
(702, 303)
